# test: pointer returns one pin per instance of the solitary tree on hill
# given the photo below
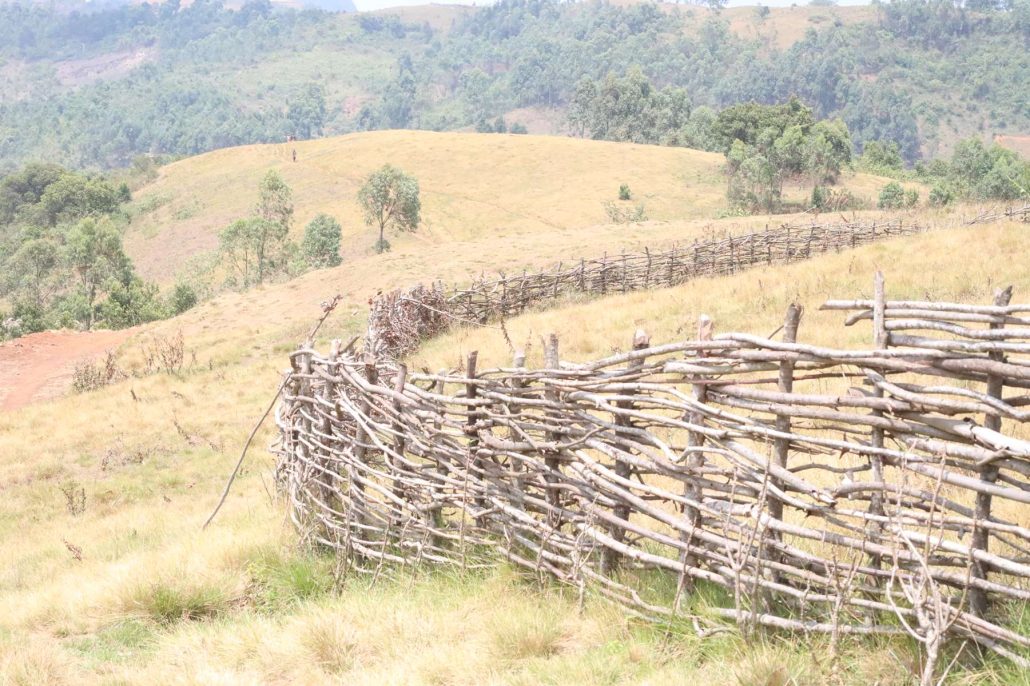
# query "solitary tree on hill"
(390, 198)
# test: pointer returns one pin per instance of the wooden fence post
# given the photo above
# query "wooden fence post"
(435, 512)
(399, 441)
(609, 557)
(880, 341)
(989, 474)
(474, 462)
(361, 449)
(786, 386)
(552, 462)
(695, 464)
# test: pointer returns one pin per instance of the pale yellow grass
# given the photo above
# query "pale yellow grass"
(963, 264)
(474, 187)
(112, 617)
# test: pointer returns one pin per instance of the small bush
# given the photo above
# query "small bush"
(183, 298)
(381, 246)
(74, 498)
(518, 128)
(941, 196)
(834, 200)
(620, 215)
(625, 193)
(92, 375)
(894, 197)
(164, 354)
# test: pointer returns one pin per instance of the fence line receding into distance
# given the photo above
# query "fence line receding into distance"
(400, 320)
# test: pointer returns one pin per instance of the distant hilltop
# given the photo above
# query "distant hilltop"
(98, 5)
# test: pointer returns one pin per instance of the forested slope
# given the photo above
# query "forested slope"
(97, 89)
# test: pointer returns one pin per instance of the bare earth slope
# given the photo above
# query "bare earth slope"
(40, 366)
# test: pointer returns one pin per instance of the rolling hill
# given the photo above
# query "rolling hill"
(475, 187)
(119, 585)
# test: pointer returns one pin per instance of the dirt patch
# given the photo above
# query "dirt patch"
(40, 366)
(1018, 144)
(113, 65)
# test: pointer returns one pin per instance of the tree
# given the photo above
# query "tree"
(130, 301)
(74, 196)
(399, 95)
(34, 272)
(94, 254)
(25, 188)
(254, 249)
(881, 157)
(894, 197)
(321, 244)
(275, 202)
(307, 111)
(390, 198)
(182, 298)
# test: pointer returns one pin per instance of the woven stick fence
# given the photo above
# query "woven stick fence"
(869, 491)
(400, 320)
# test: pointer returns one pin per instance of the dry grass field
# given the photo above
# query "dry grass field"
(107, 577)
(474, 187)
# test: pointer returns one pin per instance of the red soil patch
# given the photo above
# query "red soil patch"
(40, 366)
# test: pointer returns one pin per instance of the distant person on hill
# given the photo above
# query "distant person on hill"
(295, 154)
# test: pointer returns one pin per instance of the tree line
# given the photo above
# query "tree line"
(921, 70)
(62, 259)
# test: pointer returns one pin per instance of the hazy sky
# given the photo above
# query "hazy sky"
(379, 4)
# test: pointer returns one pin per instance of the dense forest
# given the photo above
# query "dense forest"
(96, 89)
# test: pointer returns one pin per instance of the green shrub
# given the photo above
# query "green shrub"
(518, 128)
(321, 243)
(624, 192)
(894, 197)
(183, 298)
(941, 196)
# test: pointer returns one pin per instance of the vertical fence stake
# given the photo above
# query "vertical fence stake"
(988, 474)
(695, 463)
(609, 557)
(399, 442)
(552, 462)
(474, 461)
(785, 385)
(880, 342)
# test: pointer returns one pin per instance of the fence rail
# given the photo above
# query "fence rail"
(882, 490)
(869, 491)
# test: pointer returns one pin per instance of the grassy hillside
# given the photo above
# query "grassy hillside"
(154, 599)
(754, 301)
(473, 187)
